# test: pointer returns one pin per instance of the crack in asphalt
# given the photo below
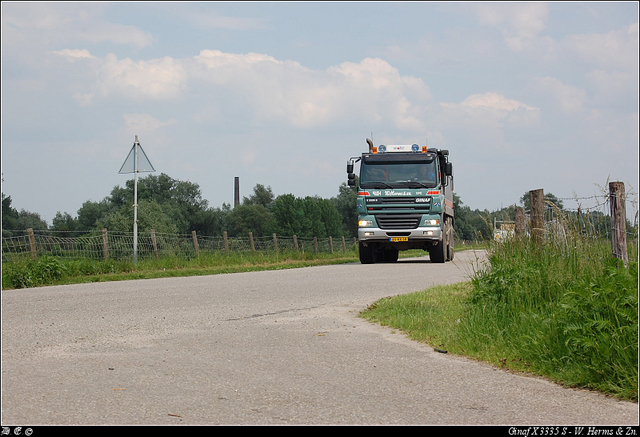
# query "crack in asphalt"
(254, 316)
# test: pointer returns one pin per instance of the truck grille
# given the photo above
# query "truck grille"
(398, 221)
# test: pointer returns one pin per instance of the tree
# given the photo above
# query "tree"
(64, 223)
(345, 204)
(91, 214)
(261, 196)
(247, 218)
(287, 215)
(151, 215)
(306, 217)
(181, 201)
(9, 217)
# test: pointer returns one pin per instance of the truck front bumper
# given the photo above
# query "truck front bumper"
(425, 233)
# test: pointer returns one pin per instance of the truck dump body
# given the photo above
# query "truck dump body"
(405, 201)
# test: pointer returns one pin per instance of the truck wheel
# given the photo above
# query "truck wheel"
(437, 252)
(450, 251)
(366, 254)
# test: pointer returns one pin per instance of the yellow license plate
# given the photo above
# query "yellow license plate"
(397, 239)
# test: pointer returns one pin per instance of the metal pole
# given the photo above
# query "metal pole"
(135, 201)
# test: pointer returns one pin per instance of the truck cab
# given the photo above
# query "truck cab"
(405, 201)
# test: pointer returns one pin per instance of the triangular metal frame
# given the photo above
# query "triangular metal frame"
(134, 159)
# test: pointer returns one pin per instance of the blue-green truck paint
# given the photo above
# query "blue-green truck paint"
(405, 201)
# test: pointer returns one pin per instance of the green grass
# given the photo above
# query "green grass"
(565, 311)
(48, 270)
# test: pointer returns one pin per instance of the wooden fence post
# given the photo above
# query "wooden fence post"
(154, 243)
(344, 245)
(519, 221)
(275, 242)
(226, 242)
(315, 244)
(618, 221)
(253, 246)
(536, 198)
(32, 243)
(105, 244)
(195, 243)
(331, 243)
(295, 243)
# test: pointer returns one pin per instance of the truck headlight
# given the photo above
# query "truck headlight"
(432, 222)
(364, 223)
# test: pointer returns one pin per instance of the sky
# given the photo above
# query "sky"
(524, 96)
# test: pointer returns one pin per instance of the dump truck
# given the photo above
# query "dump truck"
(405, 201)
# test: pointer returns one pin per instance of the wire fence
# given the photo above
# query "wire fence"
(612, 216)
(590, 218)
(100, 245)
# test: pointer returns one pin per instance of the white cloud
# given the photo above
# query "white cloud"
(568, 97)
(262, 89)
(72, 54)
(273, 90)
(615, 86)
(616, 49)
(520, 23)
(213, 20)
(485, 119)
(490, 109)
(156, 79)
(52, 24)
(144, 123)
(495, 101)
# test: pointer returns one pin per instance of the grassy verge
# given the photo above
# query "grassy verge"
(47, 270)
(568, 312)
(50, 270)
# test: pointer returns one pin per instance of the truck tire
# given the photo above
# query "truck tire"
(366, 254)
(439, 252)
(450, 244)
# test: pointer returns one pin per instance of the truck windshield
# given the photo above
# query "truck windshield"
(398, 175)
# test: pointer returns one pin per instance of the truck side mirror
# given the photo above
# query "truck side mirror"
(352, 179)
(448, 169)
(349, 167)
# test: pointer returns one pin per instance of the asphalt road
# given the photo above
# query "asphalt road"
(275, 347)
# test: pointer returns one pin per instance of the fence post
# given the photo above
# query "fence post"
(315, 244)
(295, 243)
(536, 199)
(253, 246)
(105, 244)
(331, 243)
(154, 242)
(275, 242)
(195, 243)
(519, 221)
(32, 242)
(618, 221)
(226, 242)
(344, 245)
